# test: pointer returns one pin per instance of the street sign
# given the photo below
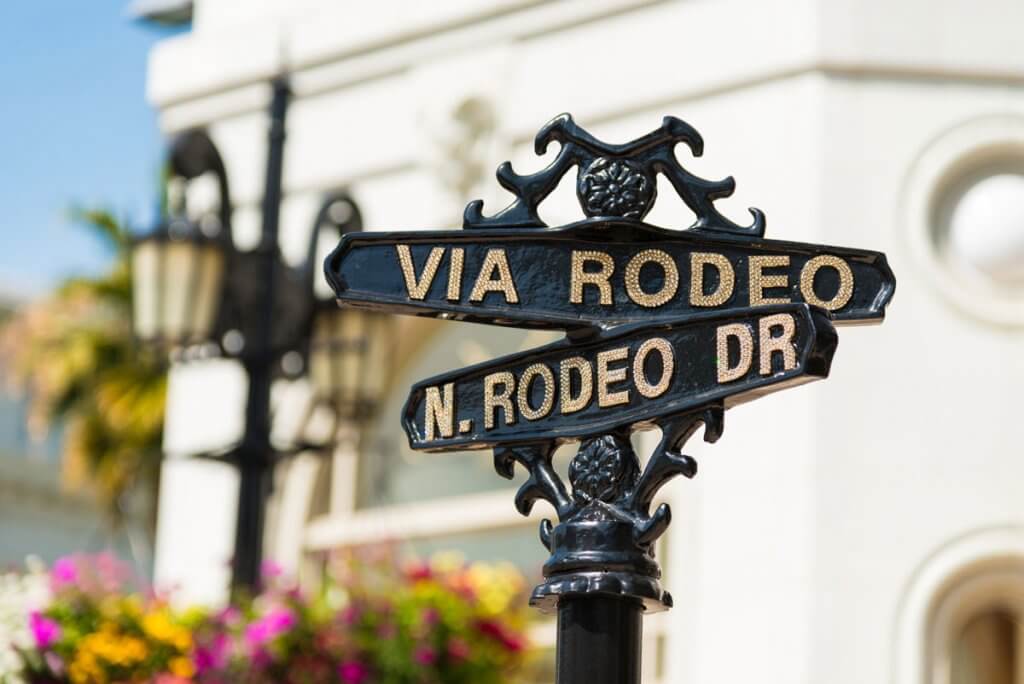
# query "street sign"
(601, 272)
(665, 328)
(638, 375)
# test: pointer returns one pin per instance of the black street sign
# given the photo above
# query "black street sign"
(601, 272)
(665, 328)
(631, 376)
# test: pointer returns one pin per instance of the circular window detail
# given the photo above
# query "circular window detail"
(982, 226)
(965, 207)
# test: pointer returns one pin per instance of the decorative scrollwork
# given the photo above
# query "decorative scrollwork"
(614, 181)
(606, 532)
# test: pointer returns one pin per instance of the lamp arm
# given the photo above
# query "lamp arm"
(191, 155)
(351, 224)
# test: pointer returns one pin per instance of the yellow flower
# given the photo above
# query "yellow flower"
(181, 667)
(85, 669)
(445, 562)
(495, 585)
(159, 626)
(109, 646)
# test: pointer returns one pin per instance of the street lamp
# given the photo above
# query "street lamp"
(178, 269)
(194, 288)
(350, 348)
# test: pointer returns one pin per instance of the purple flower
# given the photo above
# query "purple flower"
(353, 672)
(45, 631)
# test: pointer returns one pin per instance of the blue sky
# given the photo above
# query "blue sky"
(77, 131)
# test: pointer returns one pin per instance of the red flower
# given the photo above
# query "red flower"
(498, 632)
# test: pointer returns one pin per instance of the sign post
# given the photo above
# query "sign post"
(665, 329)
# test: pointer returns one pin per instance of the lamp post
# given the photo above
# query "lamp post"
(194, 288)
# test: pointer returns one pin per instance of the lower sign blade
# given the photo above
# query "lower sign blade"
(629, 377)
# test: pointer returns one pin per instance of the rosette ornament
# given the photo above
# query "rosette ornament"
(611, 187)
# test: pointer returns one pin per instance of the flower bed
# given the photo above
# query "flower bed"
(373, 621)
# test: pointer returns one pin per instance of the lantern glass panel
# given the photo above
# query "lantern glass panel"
(145, 288)
(320, 356)
(351, 343)
(348, 359)
(208, 285)
(178, 281)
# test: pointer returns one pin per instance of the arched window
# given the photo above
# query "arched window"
(977, 626)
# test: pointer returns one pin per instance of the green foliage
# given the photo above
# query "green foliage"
(74, 354)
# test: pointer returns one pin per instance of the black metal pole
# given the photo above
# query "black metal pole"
(599, 640)
(255, 455)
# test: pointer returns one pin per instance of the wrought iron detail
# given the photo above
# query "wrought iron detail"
(616, 188)
(604, 539)
(614, 181)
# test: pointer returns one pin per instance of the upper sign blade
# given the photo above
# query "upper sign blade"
(601, 273)
(627, 377)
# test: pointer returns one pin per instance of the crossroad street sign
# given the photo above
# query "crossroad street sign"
(633, 375)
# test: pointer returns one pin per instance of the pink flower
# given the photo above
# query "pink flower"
(425, 656)
(350, 614)
(458, 650)
(270, 570)
(353, 672)
(212, 656)
(229, 616)
(45, 631)
(280, 620)
(272, 624)
(112, 573)
(431, 617)
(64, 572)
(386, 631)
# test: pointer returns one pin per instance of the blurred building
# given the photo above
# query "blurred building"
(867, 529)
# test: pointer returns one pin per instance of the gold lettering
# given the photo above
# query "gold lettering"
(746, 343)
(440, 412)
(669, 285)
(782, 343)
(418, 290)
(663, 348)
(578, 277)
(495, 260)
(455, 274)
(494, 400)
(606, 376)
(759, 281)
(571, 404)
(845, 291)
(726, 279)
(537, 370)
